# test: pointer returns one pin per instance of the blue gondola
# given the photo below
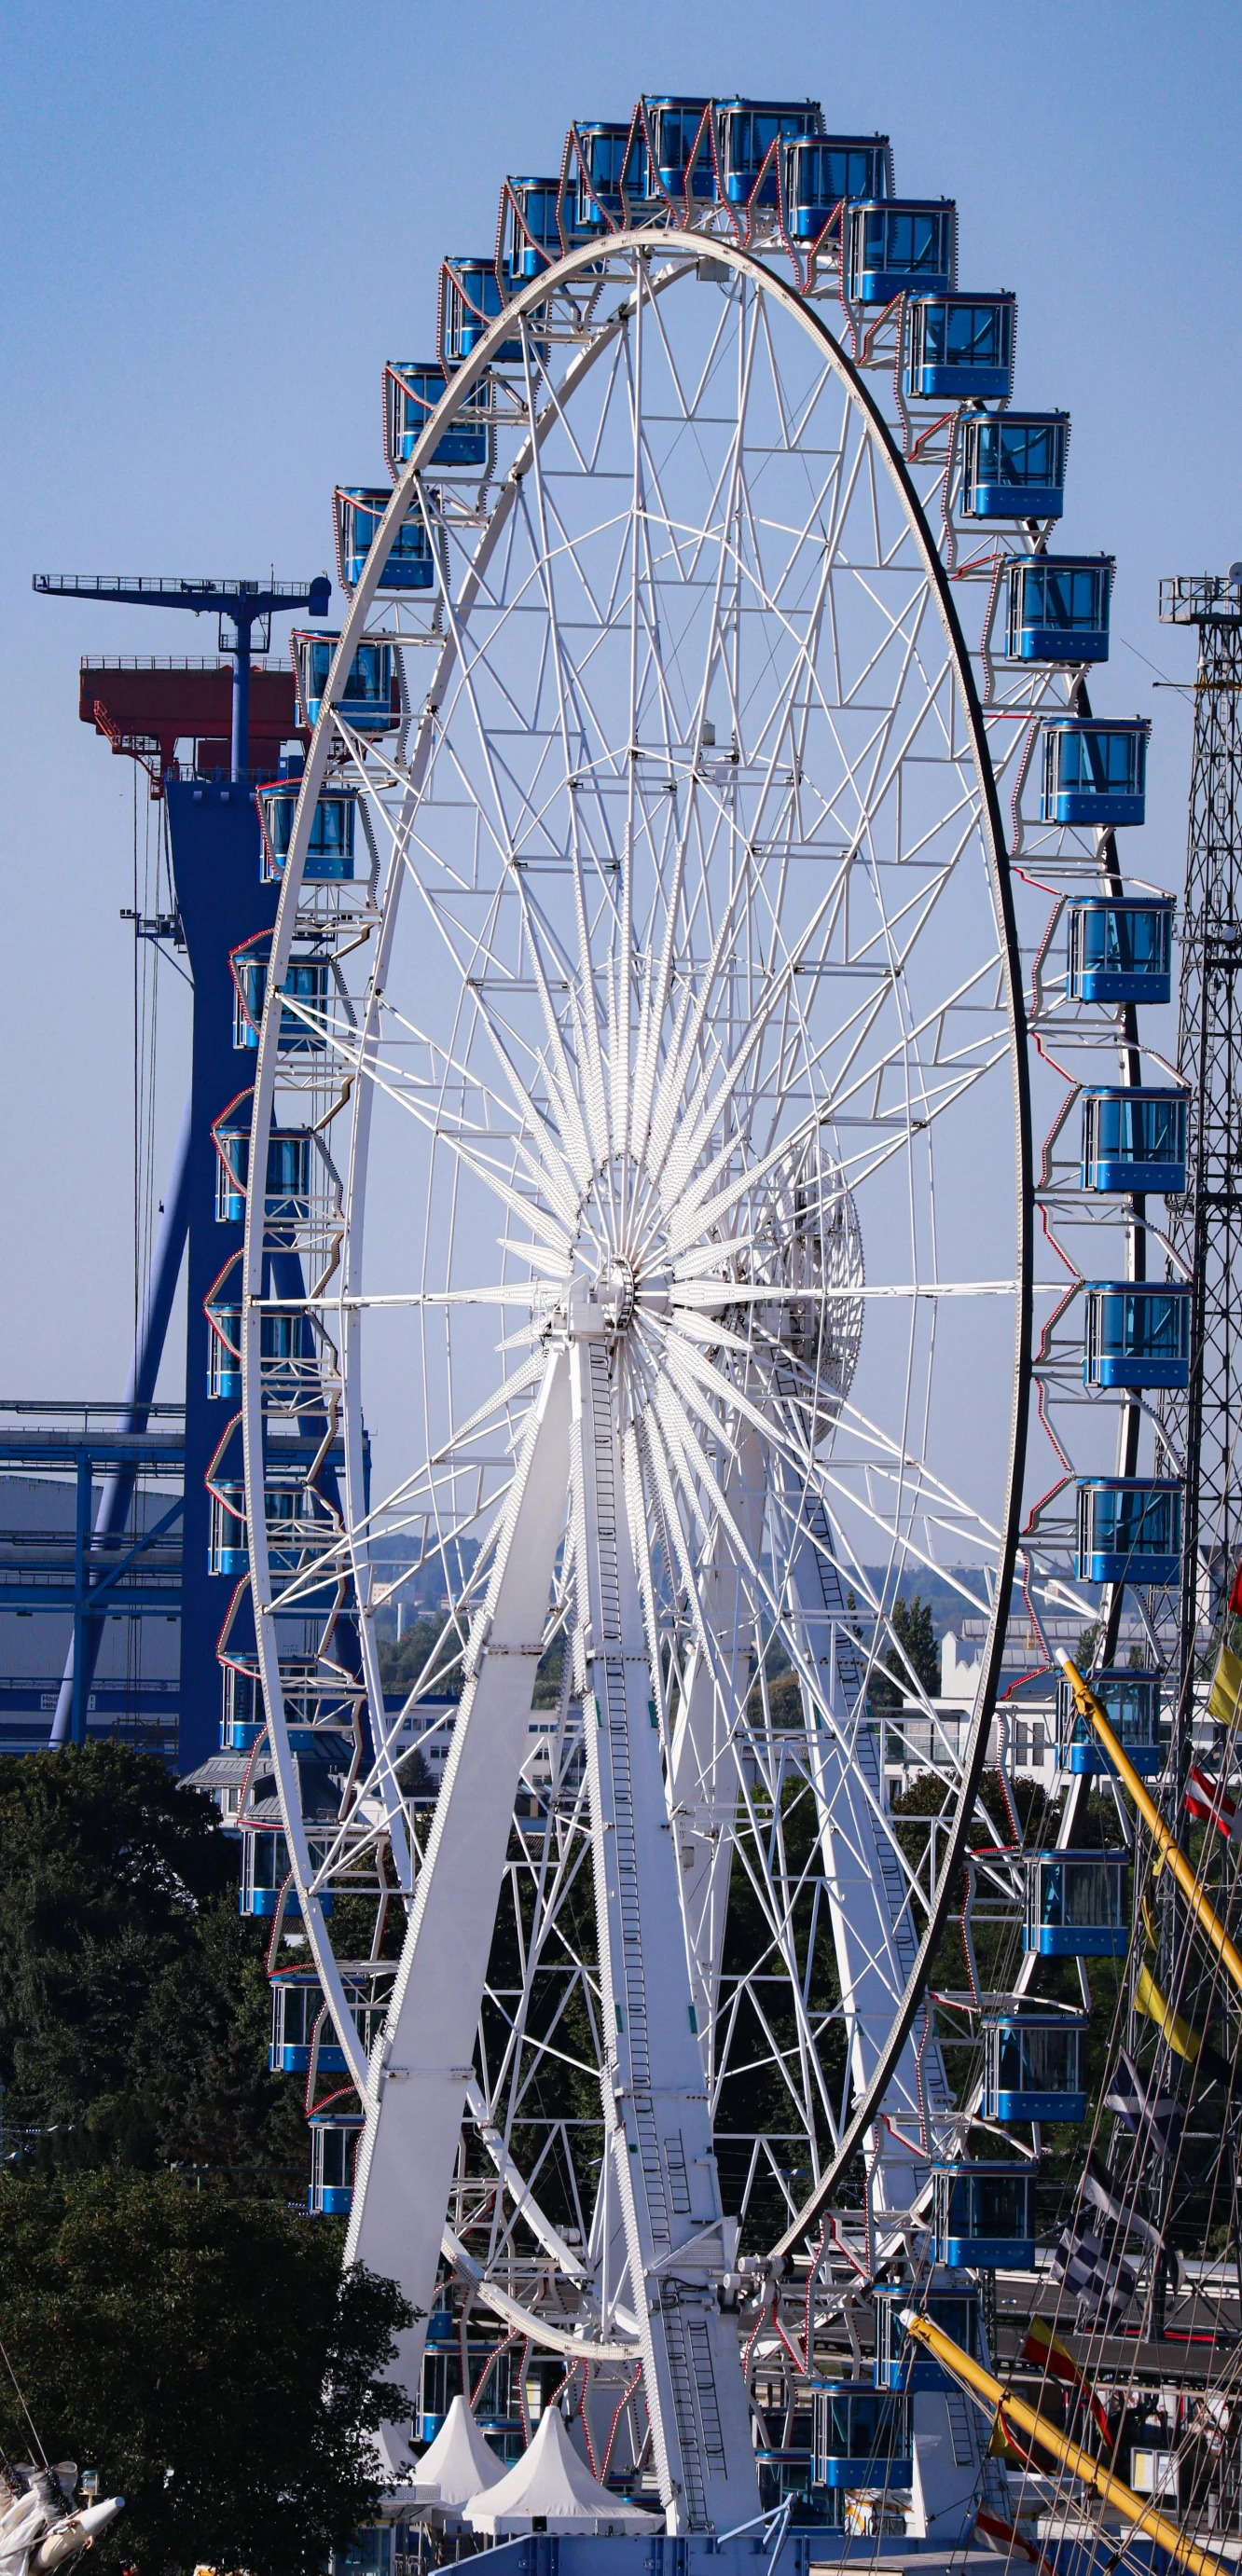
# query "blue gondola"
(1095, 772)
(288, 1511)
(330, 850)
(747, 131)
(900, 2364)
(228, 1550)
(241, 1717)
(357, 511)
(1136, 1336)
(604, 165)
(1121, 949)
(224, 1377)
(823, 172)
(278, 1349)
(470, 301)
(1129, 1530)
(1013, 465)
(960, 348)
(1058, 608)
(411, 391)
(264, 1870)
(306, 983)
(900, 246)
(367, 700)
(983, 2217)
(288, 1172)
(297, 2002)
(334, 2148)
(680, 150)
(528, 235)
(1076, 1905)
(862, 2437)
(1032, 2068)
(1134, 1139)
(1131, 1703)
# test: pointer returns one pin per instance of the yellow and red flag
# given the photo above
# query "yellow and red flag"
(1047, 2352)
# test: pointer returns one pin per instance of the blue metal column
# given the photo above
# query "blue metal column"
(222, 900)
(241, 699)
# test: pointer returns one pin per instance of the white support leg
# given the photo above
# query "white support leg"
(419, 2072)
(659, 2140)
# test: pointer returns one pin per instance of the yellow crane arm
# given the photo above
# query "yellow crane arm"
(1169, 1848)
(991, 2394)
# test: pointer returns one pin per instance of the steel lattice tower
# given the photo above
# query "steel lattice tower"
(1206, 1224)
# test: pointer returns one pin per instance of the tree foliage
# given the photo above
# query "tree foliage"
(914, 1651)
(134, 2004)
(207, 2355)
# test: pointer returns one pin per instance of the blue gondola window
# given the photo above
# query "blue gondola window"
(902, 2364)
(960, 346)
(1136, 1336)
(1058, 610)
(411, 395)
(862, 2438)
(330, 849)
(1076, 1905)
(366, 700)
(1034, 2072)
(673, 125)
(470, 301)
(1121, 951)
(821, 173)
(748, 133)
(411, 562)
(893, 248)
(1134, 1140)
(1014, 466)
(278, 1349)
(306, 982)
(600, 170)
(1131, 1703)
(1094, 773)
(530, 233)
(985, 2208)
(1129, 1531)
(334, 2149)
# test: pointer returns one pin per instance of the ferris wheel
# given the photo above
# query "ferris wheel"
(643, 1110)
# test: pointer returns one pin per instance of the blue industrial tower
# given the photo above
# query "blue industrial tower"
(224, 901)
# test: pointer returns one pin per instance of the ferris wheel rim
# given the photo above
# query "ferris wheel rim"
(683, 247)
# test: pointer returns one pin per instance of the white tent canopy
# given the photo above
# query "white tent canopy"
(551, 2486)
(459, 2464)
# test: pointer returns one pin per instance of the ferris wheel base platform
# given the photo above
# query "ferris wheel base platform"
(1069, 2547)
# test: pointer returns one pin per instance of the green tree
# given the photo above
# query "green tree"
(134, 2003)
(914, 1649)
(402, 1659)
(207, 2355)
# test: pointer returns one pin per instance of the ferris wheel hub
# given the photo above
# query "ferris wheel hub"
(620, 1293)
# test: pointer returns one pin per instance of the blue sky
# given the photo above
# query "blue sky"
(219, 221)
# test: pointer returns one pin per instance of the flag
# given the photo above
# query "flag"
(1047, 2352)
(1209, 1803)
(1187, 2043)
(994, 2529)
(1235, 1597)
(1103, 2284)
(1003, 2444)
(1149, 2001)
(1158, 2117)
(1226, 1687)
(1099, 2188)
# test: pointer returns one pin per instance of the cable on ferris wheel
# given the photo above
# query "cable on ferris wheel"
(698, 1073)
